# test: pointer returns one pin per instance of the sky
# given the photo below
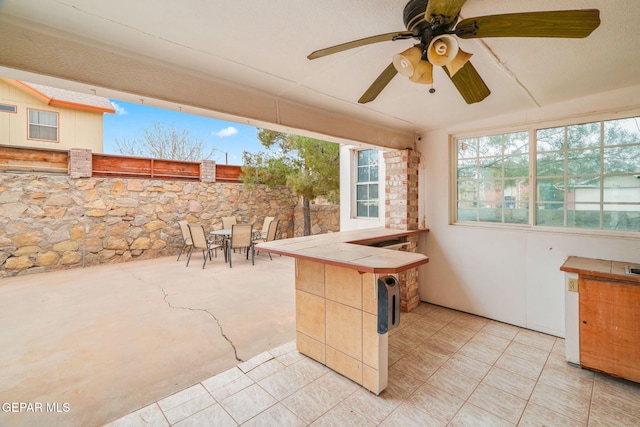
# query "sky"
(226, 137)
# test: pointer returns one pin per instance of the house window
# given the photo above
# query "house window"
(43, 125)
(6, 108)
(367, 201)
(587, 176)
(493, 178)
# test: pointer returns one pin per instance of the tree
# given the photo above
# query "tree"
(160, 143)
(309, 166)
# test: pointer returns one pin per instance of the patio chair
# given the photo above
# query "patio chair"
(228, 221)
(272, 233)
(200, 241)
(241, 238)
(265, 227)
(186, 237)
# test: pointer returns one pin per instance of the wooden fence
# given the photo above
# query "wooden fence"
(106, 165)
(19, 159)
(16, 159)
(228, 173)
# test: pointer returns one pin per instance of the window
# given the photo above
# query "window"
(5, 108)
(493, 178)
(367, 183)
(43, 125)
(586, 176)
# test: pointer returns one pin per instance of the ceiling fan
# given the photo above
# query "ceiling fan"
(433, 24)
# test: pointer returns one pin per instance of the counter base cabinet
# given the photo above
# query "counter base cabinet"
(610, 327)
(336, 322)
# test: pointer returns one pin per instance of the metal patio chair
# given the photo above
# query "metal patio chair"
(228, 221)
(200, 241)
(241, 238)
(265, 227)
(186, 237)
(272, 233)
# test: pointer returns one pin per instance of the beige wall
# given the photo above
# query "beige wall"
(77, 128)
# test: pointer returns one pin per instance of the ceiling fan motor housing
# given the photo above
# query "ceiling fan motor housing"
(415, 21)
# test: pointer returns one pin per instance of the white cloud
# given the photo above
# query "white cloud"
(120, 111)
(230, 131)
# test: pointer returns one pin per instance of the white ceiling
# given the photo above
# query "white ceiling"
(259, 48)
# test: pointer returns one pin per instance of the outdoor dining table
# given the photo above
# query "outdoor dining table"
(226, 232)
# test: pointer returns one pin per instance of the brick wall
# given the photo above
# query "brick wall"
(80, 163)
(208, 171)
(401, 207)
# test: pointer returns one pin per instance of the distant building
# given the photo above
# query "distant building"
(38, 116)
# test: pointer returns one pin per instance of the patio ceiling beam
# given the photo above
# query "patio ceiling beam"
(51, 53)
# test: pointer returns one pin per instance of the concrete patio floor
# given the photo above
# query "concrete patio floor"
(87, 346)
(152, 343)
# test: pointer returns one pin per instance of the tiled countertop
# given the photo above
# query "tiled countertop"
(348, 249)
(606, 269)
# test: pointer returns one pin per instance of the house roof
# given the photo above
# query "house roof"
(247, 62)
(66, 98)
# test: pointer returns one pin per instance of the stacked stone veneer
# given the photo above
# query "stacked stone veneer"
(50, 222)
(401, 210)
(324, 219)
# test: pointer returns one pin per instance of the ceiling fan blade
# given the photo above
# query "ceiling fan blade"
(379, 84)
(361, 42)
(560, 23)
(469, 83)
(448, 9)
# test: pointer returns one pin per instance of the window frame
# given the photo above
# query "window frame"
(532, 129)
(355, 183)
(5, 110)
(503, 157)
(29, 124)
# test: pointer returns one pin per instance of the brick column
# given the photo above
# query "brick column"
(80, 163)
(208, 171)
(401, 212)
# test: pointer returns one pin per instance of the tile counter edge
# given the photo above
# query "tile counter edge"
(349, 249)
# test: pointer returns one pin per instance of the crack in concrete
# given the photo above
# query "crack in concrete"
(235, 351)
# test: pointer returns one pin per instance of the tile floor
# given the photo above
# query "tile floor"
(446, 368)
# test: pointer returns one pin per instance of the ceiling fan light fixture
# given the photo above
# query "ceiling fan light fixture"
(406, 62)
(423, 73)
(442, 50)
(458, 62)
(424, 19)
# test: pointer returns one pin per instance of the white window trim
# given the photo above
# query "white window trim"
(353, 185)
(531, 129)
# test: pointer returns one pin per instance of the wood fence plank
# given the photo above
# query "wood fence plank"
(109, 165)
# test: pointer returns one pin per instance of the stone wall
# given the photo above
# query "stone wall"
(325, 218)
(50, 222)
